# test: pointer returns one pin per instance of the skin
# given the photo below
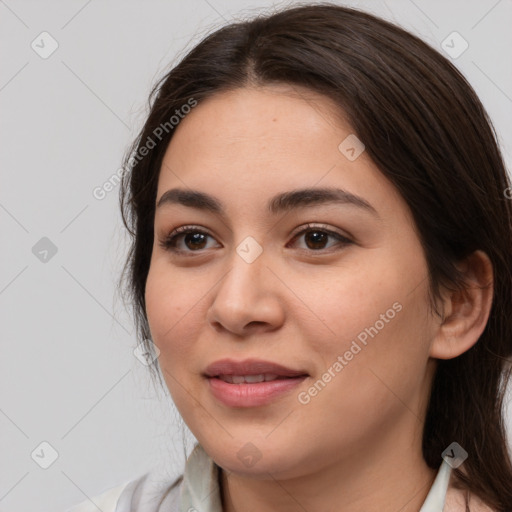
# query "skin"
(357, 444)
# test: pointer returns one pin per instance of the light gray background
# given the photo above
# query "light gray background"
(68, 375)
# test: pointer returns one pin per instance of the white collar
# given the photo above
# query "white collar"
(434, 502)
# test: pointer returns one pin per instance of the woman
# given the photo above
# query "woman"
(321, 255)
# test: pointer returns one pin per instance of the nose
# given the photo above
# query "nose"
(247, 299)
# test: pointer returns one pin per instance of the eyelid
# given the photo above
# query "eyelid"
(169, 238)
(319, 226)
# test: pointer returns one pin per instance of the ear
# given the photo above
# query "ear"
(465, 313)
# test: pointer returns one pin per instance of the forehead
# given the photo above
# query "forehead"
(246, 145)
(283, 111)
(261, 132)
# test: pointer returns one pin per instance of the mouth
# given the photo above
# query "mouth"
(252, 379)
(251, 383)
(250, 370)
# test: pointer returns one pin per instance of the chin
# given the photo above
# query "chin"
(256, 460)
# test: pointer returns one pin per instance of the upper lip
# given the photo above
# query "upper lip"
(249, 367)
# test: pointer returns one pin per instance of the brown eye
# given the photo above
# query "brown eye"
(186, 239)
(196, 240)
(316, 238)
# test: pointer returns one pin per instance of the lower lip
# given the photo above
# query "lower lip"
(253, 394)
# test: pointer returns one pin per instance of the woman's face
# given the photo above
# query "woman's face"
(343, 300)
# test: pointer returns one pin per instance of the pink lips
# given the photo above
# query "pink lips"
(249, 367)
(254, 393)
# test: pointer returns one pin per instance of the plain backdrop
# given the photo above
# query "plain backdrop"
(73, 396)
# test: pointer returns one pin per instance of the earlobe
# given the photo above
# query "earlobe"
(466, 312)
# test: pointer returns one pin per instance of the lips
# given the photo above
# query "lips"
(252, 382)
(227, 368)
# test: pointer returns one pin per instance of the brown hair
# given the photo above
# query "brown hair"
(425, 128)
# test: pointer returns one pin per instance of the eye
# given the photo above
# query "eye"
(194, 239)
(316, 238)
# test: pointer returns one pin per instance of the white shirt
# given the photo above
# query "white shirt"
(197, 490)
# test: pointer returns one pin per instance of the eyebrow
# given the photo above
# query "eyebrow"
(283, 202)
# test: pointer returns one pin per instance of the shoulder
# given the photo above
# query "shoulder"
(107, 501)
(150, 492)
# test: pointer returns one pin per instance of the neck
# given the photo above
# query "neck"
(373, 479)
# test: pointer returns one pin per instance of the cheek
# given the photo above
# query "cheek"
(381, 371)
(372, 320)
(172, 307)
(342, 303)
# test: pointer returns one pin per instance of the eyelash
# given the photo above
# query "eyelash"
(170, 241)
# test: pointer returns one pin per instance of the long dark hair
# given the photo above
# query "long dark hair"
(425, 128)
